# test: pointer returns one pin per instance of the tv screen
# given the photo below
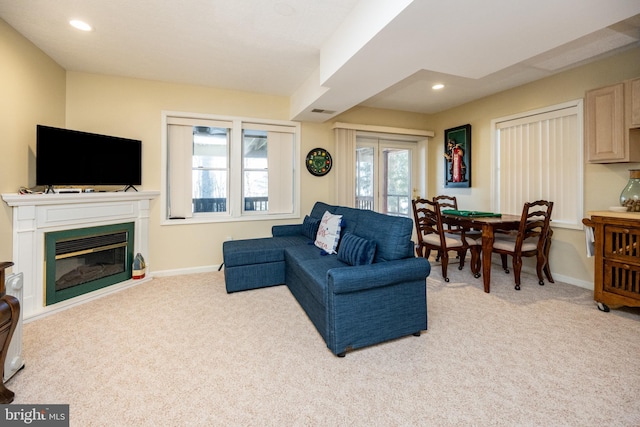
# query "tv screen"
(68, 157)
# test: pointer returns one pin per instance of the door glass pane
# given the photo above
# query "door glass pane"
(365, 189)
(209, 165)
(397, 186)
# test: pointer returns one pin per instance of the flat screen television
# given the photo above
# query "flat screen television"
(67, 157)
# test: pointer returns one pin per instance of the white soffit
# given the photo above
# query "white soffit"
(470, 40)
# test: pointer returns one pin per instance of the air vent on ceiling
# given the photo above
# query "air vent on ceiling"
(322, 111)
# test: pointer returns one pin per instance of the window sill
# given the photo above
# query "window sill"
(215, 218)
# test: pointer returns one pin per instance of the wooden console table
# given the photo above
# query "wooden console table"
(9, 316)
(617, 258)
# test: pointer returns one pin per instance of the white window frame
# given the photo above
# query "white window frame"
(235, 211)
(566, 184)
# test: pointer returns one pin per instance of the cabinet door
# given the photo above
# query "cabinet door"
(633, 102)
(604, 124)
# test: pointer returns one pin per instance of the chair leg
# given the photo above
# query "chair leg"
(476, 251)
(547, 249)
(462, 255)
(547, 272)
(517, 269)
(504, 263)
(542, 267)
(444, 262)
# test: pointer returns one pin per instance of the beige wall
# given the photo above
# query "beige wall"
(602, 183)
(39, 91)
(132, 108)
(33, 91)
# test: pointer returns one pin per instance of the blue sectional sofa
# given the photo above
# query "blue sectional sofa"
(372, 290)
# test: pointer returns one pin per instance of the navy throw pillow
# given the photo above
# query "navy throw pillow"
(310, 227)
(355, 250)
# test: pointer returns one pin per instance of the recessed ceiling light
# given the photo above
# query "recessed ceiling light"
(284, 9)
(437, 87)
(80, 25)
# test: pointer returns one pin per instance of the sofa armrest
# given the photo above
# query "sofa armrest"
(286, 230)
(356, 278)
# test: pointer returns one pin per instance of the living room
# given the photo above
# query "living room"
(39, 91)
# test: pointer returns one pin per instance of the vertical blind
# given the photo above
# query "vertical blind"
(281, 163)
(540, 156)
(179, 163)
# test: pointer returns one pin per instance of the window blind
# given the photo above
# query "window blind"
(539, 156)
(180, 147)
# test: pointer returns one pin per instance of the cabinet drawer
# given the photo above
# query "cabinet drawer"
(622, 244)
(622, 279)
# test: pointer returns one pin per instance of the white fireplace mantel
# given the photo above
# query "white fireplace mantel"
(37, 214)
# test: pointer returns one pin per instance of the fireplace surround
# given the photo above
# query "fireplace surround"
(35, 215)
(82, 260)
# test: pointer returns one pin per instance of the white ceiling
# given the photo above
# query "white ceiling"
(332, 55)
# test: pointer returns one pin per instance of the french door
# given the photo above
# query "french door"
(385, 175)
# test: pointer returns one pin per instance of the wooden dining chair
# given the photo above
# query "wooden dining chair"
(473, 237)
(446, 201)
(432, 235)
(531, 239)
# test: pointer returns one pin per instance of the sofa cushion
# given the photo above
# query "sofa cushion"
(319, 208)
(310, 266)
(310, 227)
(329, 232)
(392, 234)
(258, 251)
(355, 250)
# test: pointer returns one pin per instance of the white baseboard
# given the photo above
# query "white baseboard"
(531, 270)
(189, 270)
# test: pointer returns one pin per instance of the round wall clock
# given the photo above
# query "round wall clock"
(319, 162)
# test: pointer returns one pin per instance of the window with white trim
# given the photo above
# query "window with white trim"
(227, 169)
(539, 155)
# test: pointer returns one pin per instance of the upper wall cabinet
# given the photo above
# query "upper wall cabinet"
(633, 102)
(612, 123)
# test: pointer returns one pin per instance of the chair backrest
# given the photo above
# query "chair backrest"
(446, 202)
(534, 223)
(426, 214)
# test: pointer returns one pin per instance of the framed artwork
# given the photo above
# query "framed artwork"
(457, 157)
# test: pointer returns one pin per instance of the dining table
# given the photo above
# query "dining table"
(488, 223)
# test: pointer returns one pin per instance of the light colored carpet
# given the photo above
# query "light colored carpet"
(179, 351)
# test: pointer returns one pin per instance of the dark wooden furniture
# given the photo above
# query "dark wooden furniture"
(489, 226)
(9, 315)
(617, 259)
(432, 235)
(530, 240)
(446, 202)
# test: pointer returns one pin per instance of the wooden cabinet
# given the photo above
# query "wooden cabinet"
(632, 96)
(617, 259)
(612, 123)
